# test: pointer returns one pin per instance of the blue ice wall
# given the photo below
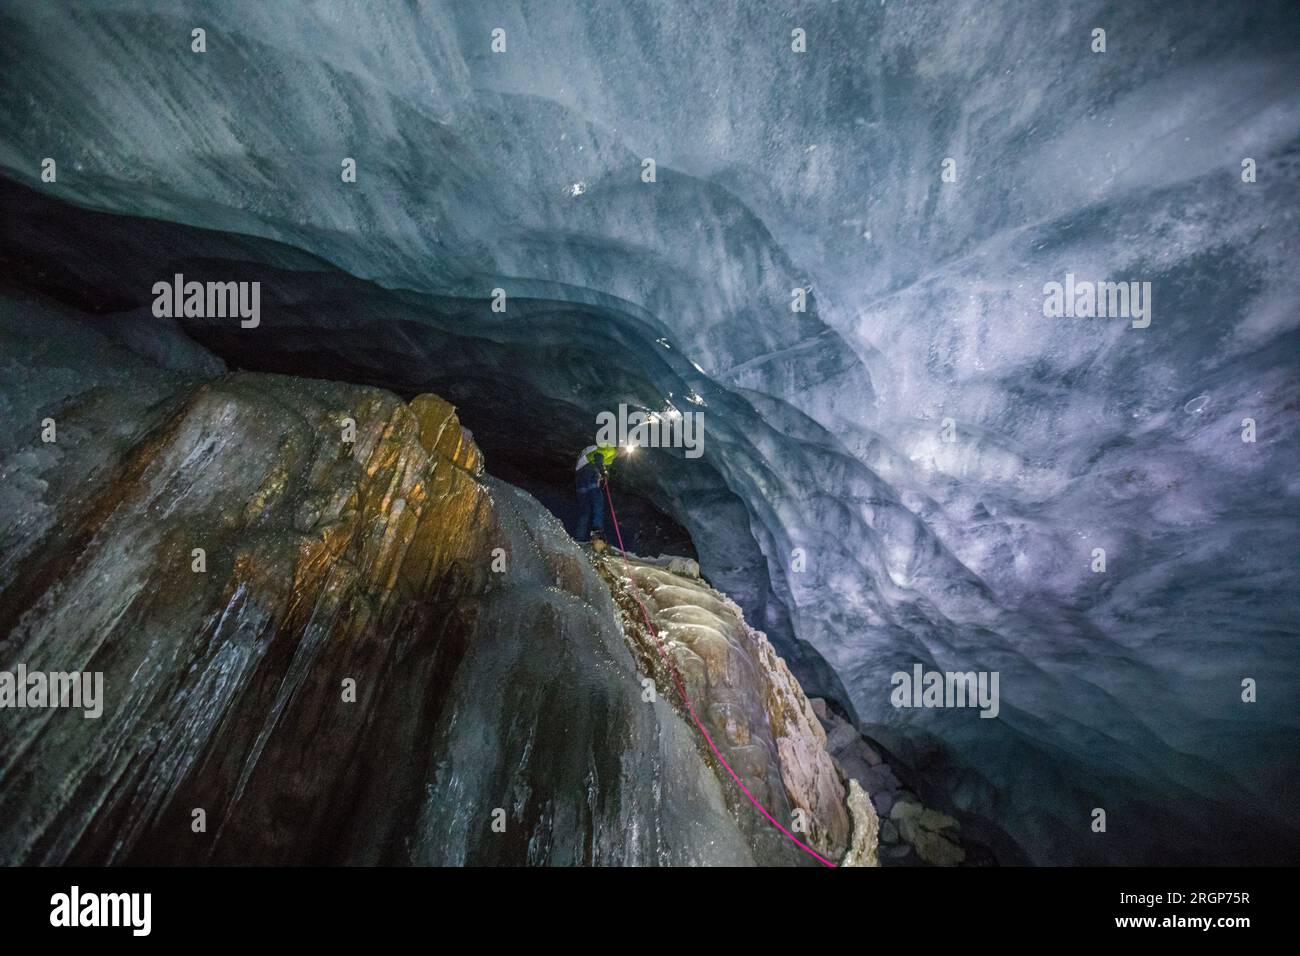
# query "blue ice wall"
(945, 458)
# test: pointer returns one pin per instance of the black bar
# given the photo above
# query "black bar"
(928, 907)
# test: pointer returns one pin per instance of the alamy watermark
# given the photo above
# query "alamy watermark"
(208, 300)
(638, 429)
(80, 690)
(922, 688)
(130, 910)
(1089, 300)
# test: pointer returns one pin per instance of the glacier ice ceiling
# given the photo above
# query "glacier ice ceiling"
(917, 469)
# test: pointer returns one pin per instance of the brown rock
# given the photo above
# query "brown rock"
(865, 843)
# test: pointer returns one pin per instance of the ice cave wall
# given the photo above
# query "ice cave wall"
(820, 170)
(326, 636)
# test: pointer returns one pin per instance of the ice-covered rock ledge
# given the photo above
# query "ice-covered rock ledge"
(792, 752)
(326, 635)
(753, 709)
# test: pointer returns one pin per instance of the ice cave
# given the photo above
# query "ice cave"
(990, 313)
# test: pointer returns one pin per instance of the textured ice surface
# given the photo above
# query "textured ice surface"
(824, 431)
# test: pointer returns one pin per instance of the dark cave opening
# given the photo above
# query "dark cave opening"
(528, 438)
(645, 529)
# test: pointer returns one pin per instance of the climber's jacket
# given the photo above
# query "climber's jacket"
(592, 466)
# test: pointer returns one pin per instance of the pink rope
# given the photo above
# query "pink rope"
(681, 689)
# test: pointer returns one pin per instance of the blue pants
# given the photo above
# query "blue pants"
(591, 501)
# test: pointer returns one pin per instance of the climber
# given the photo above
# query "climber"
(591, 475)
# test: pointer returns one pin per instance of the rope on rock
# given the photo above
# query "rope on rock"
(681, 689)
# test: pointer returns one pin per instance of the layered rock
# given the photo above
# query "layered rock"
(327, 636)
(258, 577)
(752, 707)
(866, 829)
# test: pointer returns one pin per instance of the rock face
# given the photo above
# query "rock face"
(931, 833)
(754, 710)
(866, 829)
(327, 636)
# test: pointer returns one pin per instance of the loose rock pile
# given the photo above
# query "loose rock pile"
(910, 832)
